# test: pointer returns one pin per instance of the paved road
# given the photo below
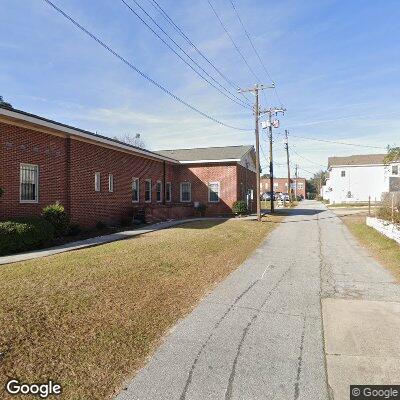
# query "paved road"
(260, 334)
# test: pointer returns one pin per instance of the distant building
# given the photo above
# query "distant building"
(358, 177)
(280, 186)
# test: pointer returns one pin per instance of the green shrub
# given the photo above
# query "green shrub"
(100, 225)
(24, 234)
(57, 216)
(74, 230)
(201, 209)
(125, 221)
(239, 207)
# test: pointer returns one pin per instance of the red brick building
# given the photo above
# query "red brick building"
(101, 179)
(280, 186)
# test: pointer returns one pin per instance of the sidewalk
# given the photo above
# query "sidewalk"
(96, 241)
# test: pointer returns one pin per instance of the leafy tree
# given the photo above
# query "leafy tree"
(4, 103)
(392, 155)
(314, 184)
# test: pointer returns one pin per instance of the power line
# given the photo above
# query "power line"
(307, 159)
(255, 50)
(233, 42)
(130, 65)
(165, 15)
(336, 142)
(242, 104)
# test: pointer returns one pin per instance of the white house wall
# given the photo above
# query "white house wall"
(359, 181)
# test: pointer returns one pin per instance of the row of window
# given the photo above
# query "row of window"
(29, 187)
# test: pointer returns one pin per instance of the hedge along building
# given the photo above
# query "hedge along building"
(101, 179)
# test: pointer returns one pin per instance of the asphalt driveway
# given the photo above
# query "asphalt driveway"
(288, 324)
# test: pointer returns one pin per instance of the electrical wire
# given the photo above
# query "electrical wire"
(137, 70)
(255, 50)
(165, 15)
(335, 142)
(305, 158)
(238, 101)
(233, 42)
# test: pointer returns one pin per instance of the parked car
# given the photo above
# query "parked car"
(266, 196)
(284, 196)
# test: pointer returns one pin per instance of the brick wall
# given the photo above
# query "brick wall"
(200, 175)
(282, 185)
(67, 168)
(89, 206)
(19, 145)
(246, 180)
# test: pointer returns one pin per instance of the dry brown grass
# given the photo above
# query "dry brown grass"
(385, 250)
(88, 319)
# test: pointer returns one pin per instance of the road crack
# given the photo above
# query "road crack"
(229, 389)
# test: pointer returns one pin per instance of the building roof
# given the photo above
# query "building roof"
(358, 159)
(18, 115)
(207, 154)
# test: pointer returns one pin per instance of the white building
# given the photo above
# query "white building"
(356, 178)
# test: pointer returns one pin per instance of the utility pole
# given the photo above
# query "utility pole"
(295, 184)
(288, 165)
(270, 124)
(256, 90)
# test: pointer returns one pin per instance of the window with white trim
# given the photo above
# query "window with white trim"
(343, 174)
(147, 190)
(300, 185)
(110, 182)
(168, 192)
(159, 191)
(29, 183)
(135, 190)
(97, 178)
(395, 170)
(213, 192)
(186, 192)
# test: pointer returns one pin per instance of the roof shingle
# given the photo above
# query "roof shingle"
(207, 153)
(358, 159)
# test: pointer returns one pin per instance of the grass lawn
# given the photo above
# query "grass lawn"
(385, 250)
(88, 319)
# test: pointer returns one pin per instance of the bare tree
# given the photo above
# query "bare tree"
(133, 140)
(392, 155)
(4, 103)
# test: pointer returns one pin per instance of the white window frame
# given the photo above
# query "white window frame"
(209, 192)
(36, 184)
(398, 170)
(137, 180)
(145, 182)
(190, 192)
(168, 189)
(161, 193)
(110, 183)
(97, 182)
(343, 173)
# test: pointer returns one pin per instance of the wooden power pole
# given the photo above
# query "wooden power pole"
(288, 166)
(256, 89)
(270, 124)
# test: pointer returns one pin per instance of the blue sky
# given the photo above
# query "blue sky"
(336, 65)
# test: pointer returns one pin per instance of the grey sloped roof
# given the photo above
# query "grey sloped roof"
(358, 159)
(207, 153)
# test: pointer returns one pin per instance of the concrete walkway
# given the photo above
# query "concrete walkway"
(98, 240)
(308, 314)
